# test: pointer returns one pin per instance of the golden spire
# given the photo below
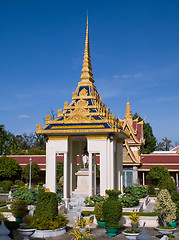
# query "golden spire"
(87, 74)
(128, 113)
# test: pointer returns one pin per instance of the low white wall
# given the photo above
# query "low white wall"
(149, 221)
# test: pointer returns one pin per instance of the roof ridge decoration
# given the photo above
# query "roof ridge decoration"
(87, 75)
(86, 112)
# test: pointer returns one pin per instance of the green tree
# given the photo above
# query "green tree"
(150, 139)
(158, 173)
(165, 145)
(59, 170)
(9, 168)
(34, 171)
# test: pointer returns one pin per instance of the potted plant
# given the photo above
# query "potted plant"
(26, 232)
(82, 224)
(112, 210)
(134, 218)
(98, 211)
(19, 209)
(166, 211)
(131, 234)
(47, 221)
(82, 235)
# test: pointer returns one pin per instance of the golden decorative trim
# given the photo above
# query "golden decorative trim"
(97, 137)
(56, 138)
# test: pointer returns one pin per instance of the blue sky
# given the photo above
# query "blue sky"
(134, 51)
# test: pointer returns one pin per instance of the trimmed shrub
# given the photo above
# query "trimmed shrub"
(177, 205)
(98, 211)
(151, 190)
(112, 209)
(6, 186)
(175, 196)
(19, 183)
(42, 223)
(19, 208)
(165, 208)
(167, 183)
(47, 205)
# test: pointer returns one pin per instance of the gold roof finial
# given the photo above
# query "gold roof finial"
(128, 113)
(87, 74)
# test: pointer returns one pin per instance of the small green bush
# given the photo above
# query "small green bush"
(6, 186)
(47, 205)
(93, 200)
(98, 211)
(19, 208)
(43, 223)
(167, 183)
(87, 213)
(112, 209)
(137, 192)
(29, 195)
(175, 196)
(177, 213)
(19, 183)
(151, 190)
(128, 200)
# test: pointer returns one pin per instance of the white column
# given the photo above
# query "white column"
(111, 163)
(143, 178)
(65, 176)
(71, 166)
(135, 176)
(50, 167)
(108, 166)
(80, 153)
(120, 165)
(177, 179)
(90, 175)
(94, 174)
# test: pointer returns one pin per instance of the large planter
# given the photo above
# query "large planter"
(18, 219)
(26, 233)
(166, 231)
(111, 231)
(49, 233)
(130, 236)
(101, 224)
(173, 224)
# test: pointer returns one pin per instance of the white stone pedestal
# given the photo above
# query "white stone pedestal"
(82, 183)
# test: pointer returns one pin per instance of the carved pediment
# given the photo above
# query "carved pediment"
(83, 93)
(82, 104)
(77, 118)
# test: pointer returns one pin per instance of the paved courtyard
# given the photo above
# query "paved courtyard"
(100, 234)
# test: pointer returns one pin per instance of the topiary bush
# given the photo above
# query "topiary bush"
(42, 223)
(175, 196)
(47, 205)
(98, 211)
(151, 190)
(165, 208)
(112, 209)
(6, 186)
(167, 183)
(19, 208)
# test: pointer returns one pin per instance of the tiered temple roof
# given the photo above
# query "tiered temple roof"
(131, 150)
(86, 113)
